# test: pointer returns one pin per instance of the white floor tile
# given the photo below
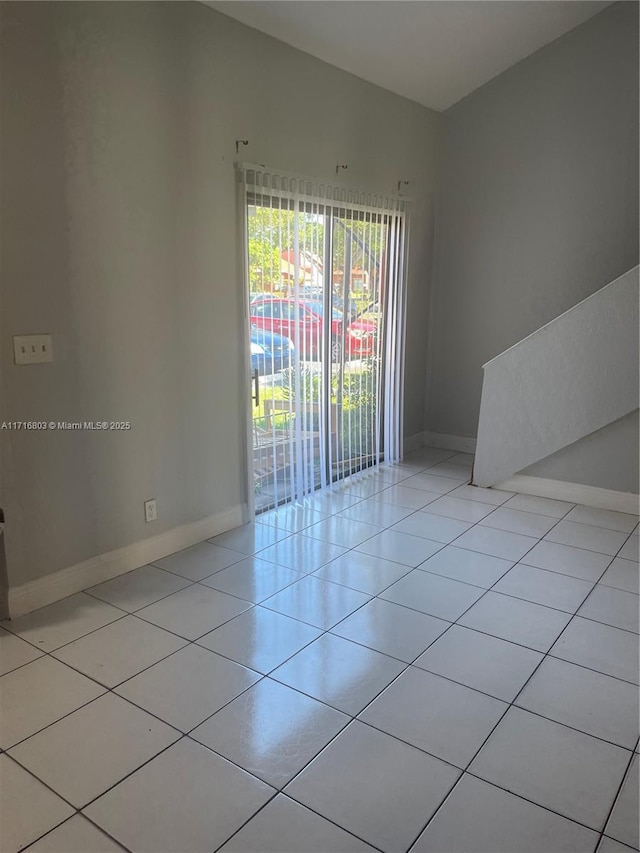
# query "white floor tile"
(629, 550)
(291, 517)
(543, 506)
(345, 784)
(431, 483)
(15, 652)
(543, 587)
(496, 543)
(467, 566)
(345, 675)
(432, 713)
(331, 500)
(518, 521)
(479, 818)
(268, 518)
(428, 456)
(382, 473)
(567, 560)
(432, 594)
(462, 459)
(187, 798)
(136, 589)
(620, 521)
(518, 621)
(407, 467)
(362, 572)
(260, 639)
(37, 695)
(597, 704)
(193, 611)
(84, 754)
(271, 730)
(599, 647)
(624, 821)
(434, 527)
(612, 607)
(302, 553)
(253, 579)
(364, 487)
(199, 561)
(409, 498)
(250, 538)
(188, 687)
(453, 470)
(376, 512)
(554, 766)
(76, 835)
(247, 614)
(120, 650)
(495, 497)
(586, 536)
(460, 509)
(27, 808)
(316, 602)
(342, 531)
(284, 826)
(391, 629)
(485, 663)
(622, 574)
(608, 845)
(397, 472)
(66, 620)
(400, 547)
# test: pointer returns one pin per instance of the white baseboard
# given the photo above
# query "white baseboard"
(575, 493)
(412, 442)
(449, 442)
(38, 593)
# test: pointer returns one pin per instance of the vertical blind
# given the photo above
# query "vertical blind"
(326, 277)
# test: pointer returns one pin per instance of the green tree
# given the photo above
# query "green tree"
(272, 233)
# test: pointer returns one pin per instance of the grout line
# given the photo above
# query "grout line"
(77, 813)
(122, 615)
(142, 606)
(53, 791)
(328, 631)
(49, 831)
(261, 674)
(392, 682)
(102, 829)
(350, 720)
(181, 733)
(281, 793)
(508, 708)
(627, 774)
(513, 794)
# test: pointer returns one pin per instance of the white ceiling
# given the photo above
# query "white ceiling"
(432, 51)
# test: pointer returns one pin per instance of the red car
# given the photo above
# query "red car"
(303, 323)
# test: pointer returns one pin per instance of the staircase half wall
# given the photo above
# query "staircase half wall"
(571, 377)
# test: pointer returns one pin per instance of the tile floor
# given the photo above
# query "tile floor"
(404, 663)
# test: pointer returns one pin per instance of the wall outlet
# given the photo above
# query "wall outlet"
(32, 349)
(150, 510)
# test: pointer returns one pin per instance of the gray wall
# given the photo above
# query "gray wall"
(539, 203)
(608, 458)
(118, 224)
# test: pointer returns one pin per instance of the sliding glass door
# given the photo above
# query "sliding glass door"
(325, 305)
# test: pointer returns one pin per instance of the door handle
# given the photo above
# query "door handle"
(256, 388)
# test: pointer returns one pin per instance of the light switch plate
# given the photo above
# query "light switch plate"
(32, 349)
